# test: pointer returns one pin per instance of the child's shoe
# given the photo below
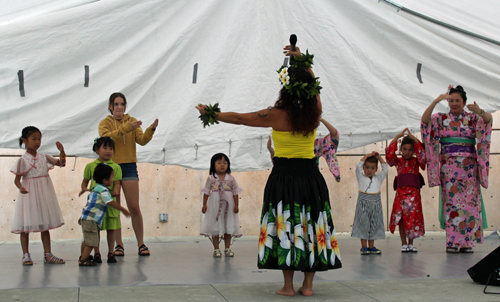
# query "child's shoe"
(412, 249)
(228, 253)
(27, 259)
(112, 258)
(365, 251)
(97, 258)
(404, 248)
(217, 253)
(375, 251)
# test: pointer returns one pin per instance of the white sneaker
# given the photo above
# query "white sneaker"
(228, 253)
(217, 253)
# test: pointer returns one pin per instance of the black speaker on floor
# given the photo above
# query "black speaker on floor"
(488, 266)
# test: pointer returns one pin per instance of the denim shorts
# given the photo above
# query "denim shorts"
(129, 171)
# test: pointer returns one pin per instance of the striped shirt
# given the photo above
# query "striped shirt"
(97, 204)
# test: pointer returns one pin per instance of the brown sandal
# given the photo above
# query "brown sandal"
(86, 262)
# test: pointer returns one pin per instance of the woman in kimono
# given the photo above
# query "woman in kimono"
(457, 150)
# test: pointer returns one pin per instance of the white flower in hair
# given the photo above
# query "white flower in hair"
(285, 80)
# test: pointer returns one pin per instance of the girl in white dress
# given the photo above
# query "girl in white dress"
(37, 208)
(220, 205)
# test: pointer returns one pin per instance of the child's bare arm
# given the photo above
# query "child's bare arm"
(236, 201)
(85, 183)
(17, 181)
(205, 199)
(116, 188)
(117, 206)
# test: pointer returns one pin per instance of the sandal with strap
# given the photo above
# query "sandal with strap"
(112, 258)
(119, 251)
(52, 259)
(97, 258)
(466, 250)
(228, 253)
(452, 250)
(27, 259)
(404, 248)
(412, 249)
(86, 262)
(217, 253)
(143, 249)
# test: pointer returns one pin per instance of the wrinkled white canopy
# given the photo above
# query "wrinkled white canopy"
(366, 55)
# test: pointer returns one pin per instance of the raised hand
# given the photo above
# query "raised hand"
(154, 125)
(60, 147)
(475, 108)
(295, 53)
(135, 124)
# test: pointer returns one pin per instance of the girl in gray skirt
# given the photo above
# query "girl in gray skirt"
(369, 220)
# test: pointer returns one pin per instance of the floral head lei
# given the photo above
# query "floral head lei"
(299, 88)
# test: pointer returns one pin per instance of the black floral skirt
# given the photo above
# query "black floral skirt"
(296, 226)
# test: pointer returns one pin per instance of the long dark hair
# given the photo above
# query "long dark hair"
(215, 158)
(112, 98)
(460, 90)
(27, 131)
(303, 113)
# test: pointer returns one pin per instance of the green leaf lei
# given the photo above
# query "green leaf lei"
(296, 87)
(208, 118)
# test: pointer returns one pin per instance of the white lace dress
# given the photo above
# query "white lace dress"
(220, 218)
(38, 210)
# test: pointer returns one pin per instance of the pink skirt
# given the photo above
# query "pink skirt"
(38, 210)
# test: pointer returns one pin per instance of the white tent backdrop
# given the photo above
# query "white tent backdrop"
(366, 55)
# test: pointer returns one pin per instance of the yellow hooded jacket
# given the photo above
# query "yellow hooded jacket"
(125, 137)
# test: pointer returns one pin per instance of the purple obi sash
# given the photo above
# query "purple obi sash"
(455, 148)
(408, 179)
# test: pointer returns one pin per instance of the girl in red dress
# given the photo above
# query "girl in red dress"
(407, 207)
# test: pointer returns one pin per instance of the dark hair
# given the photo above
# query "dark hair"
(372, 159)
(102, 172)
(215, 158)
(27, 131)
(303, 113)
(407, 140)
(105, 141)
(112, 98)
(460, 90)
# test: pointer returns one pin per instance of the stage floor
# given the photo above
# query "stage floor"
(183, 269)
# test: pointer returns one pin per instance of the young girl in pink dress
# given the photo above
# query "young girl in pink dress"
(37, 209)
(220, 205)
(407, 207)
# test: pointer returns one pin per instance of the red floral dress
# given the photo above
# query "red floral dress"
(407, 203)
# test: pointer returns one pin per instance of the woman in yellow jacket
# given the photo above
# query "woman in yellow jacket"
(126, 132)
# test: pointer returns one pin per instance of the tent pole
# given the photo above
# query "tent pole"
(412, 12)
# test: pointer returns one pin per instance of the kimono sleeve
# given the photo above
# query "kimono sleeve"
(483, 140)
(206, 189)
(234, 187)
(390, 154)
(430, 138)
(21, 167)
(420, 154)
(359, 170)
(327, 147)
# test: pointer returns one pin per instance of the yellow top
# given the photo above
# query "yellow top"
(293, 146)
(125, 137)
